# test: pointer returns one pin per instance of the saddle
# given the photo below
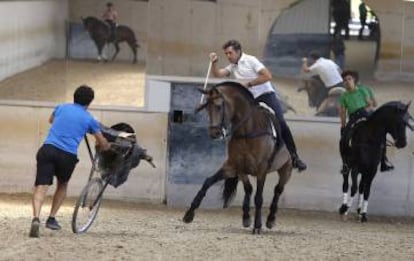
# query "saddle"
(338, 90)
(349, 131)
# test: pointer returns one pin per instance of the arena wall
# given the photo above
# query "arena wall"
(32, 32)
(318, 188)
(26, 129)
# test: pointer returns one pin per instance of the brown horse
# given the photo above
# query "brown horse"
(254, 148)
(326, 101)
(100, 33)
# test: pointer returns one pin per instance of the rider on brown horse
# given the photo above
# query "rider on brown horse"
(110, 16)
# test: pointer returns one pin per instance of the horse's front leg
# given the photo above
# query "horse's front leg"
(100, 46)
(189, 215)
(367, 181)
(284, 176)
(116, 44)
(343, 209)
(258, 200)
(248, 190)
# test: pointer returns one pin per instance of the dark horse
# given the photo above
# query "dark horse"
(363, 149)
(254, 148)
(100, 33)
(326, 101)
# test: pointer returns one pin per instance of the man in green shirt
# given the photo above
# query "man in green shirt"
(358, 101)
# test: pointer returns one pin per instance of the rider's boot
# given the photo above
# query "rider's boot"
(386, 166)
(298, 163)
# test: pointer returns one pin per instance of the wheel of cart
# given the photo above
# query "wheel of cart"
(109, 167)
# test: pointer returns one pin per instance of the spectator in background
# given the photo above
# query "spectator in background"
(362, 18)
(338, 50)
(341, 14)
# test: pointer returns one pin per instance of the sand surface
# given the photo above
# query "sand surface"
(127, 231)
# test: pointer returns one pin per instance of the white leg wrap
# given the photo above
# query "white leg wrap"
(360, 201)
(364, 206)
(350, 201)
(345, 198)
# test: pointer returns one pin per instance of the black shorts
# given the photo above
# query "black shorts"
(52, 161)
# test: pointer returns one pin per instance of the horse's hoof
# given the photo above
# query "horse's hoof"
(247, 222)
(270, 223)
(188, 217)
(364, 218)
(343, 210)
(257, 231)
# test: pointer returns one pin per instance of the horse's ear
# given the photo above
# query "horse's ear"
(408, 104)
(203, 91)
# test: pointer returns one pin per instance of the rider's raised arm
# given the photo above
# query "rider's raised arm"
(217, 72)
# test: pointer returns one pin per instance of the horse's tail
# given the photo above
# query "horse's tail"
(229, 190)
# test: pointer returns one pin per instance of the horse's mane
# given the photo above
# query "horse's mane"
(93, 19)
(392, 104)
(240, 88)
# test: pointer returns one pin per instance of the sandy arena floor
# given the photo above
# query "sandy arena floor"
(126, 231)
(114, 83)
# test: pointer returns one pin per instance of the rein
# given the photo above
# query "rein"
(230, 133)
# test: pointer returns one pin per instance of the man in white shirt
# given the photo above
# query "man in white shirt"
(326, 69)
(256, 77)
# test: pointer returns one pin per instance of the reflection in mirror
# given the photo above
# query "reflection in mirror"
(61, 53)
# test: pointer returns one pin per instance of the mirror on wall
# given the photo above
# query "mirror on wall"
(49, 57)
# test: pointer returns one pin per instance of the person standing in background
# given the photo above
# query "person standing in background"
(362, 18)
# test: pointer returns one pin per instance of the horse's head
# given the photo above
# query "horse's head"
(218, 112)
(397, 123)
(89, 22)
(316, 91)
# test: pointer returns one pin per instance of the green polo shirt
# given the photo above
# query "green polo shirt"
(354, 100)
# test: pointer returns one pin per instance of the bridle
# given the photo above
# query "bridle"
(224, 127)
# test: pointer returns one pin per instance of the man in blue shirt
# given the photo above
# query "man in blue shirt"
(58, 155)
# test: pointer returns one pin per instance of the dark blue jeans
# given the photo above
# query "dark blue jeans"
(270, 100)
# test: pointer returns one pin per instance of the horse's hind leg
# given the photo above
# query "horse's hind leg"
(189, 215)
(284, 176)
(116, 44)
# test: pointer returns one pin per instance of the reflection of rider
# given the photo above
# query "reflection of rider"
(249, 69)
(326, 69)
(358, 102)
(110, 16)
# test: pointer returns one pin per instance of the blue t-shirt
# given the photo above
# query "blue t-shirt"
(70, 124)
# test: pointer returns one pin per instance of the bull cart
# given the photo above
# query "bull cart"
(108, 167)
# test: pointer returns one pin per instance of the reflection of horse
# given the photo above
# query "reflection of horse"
(100, 33)
(326, 101)
(254, 148)
(362, 150)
